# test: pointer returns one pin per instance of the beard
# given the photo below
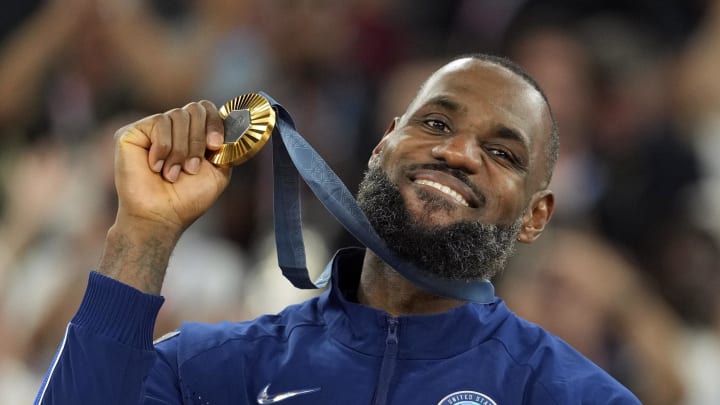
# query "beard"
(467, 250)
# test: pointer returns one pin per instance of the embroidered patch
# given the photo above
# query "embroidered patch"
(467, 398)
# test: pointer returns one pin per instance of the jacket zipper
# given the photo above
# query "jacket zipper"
(387, 368)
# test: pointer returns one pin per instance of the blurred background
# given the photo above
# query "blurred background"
(628, 273)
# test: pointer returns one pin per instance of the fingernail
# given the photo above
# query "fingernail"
(173, 173)
(158, 166)
(215, 139)
(193, 165)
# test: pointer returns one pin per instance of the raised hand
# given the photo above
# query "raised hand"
(164, 184)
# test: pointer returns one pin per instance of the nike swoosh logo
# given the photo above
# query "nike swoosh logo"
(265, 398)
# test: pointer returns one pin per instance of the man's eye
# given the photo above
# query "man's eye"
(437, 125)
(503, 154)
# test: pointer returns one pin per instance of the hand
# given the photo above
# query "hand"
(164, 183)
(161, 175)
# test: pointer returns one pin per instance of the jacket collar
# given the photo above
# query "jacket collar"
(364, 329)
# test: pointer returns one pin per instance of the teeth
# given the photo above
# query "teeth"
(445, 189)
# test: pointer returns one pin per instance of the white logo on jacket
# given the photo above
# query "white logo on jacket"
(467, 398)
(265, 398)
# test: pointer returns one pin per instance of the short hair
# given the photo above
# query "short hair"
(552, 149)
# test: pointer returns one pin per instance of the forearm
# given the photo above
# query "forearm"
(138, 255)
(107, 355)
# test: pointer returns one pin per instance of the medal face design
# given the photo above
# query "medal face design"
(249, 121)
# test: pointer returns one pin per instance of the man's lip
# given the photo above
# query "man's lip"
(447, 179)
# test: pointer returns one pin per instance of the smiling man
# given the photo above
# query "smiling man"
(455, 182)
(463, 173)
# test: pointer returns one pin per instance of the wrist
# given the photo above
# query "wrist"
(140, 229)
(137, 254)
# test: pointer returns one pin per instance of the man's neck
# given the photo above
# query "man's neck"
(383, 288)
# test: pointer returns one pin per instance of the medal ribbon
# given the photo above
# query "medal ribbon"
(293, 157)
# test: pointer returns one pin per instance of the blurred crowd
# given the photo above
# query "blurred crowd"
(628, 272)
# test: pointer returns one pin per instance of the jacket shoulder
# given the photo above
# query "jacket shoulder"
(195, 338)
(559, 371)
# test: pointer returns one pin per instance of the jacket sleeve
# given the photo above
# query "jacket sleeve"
(107, 354)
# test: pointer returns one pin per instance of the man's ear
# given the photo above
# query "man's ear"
(378, 148)
(537, 216)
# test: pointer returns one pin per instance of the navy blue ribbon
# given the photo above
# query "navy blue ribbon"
(294, 157)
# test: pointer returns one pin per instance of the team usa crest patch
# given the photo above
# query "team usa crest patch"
(467, 398)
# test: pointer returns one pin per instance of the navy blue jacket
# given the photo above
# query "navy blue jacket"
(327, 350)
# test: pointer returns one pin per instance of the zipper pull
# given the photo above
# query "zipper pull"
(392, 336)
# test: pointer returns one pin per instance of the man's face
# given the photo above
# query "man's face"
(469, 151)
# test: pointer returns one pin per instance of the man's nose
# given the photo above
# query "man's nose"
(460, 151)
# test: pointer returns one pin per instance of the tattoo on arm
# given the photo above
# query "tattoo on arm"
(141, 265)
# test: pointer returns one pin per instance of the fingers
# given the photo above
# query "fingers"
(160, 141)
(179, 137)
(213, 126)
(197, 142)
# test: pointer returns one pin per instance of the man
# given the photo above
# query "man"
(454, 182)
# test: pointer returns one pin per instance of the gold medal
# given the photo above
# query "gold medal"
(249, 121)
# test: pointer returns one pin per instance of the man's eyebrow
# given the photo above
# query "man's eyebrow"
(513, 135)
(445, 103)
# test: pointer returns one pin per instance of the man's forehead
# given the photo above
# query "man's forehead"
(461, 69)
(494, 83)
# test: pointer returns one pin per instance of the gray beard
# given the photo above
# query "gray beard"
(467, 250)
